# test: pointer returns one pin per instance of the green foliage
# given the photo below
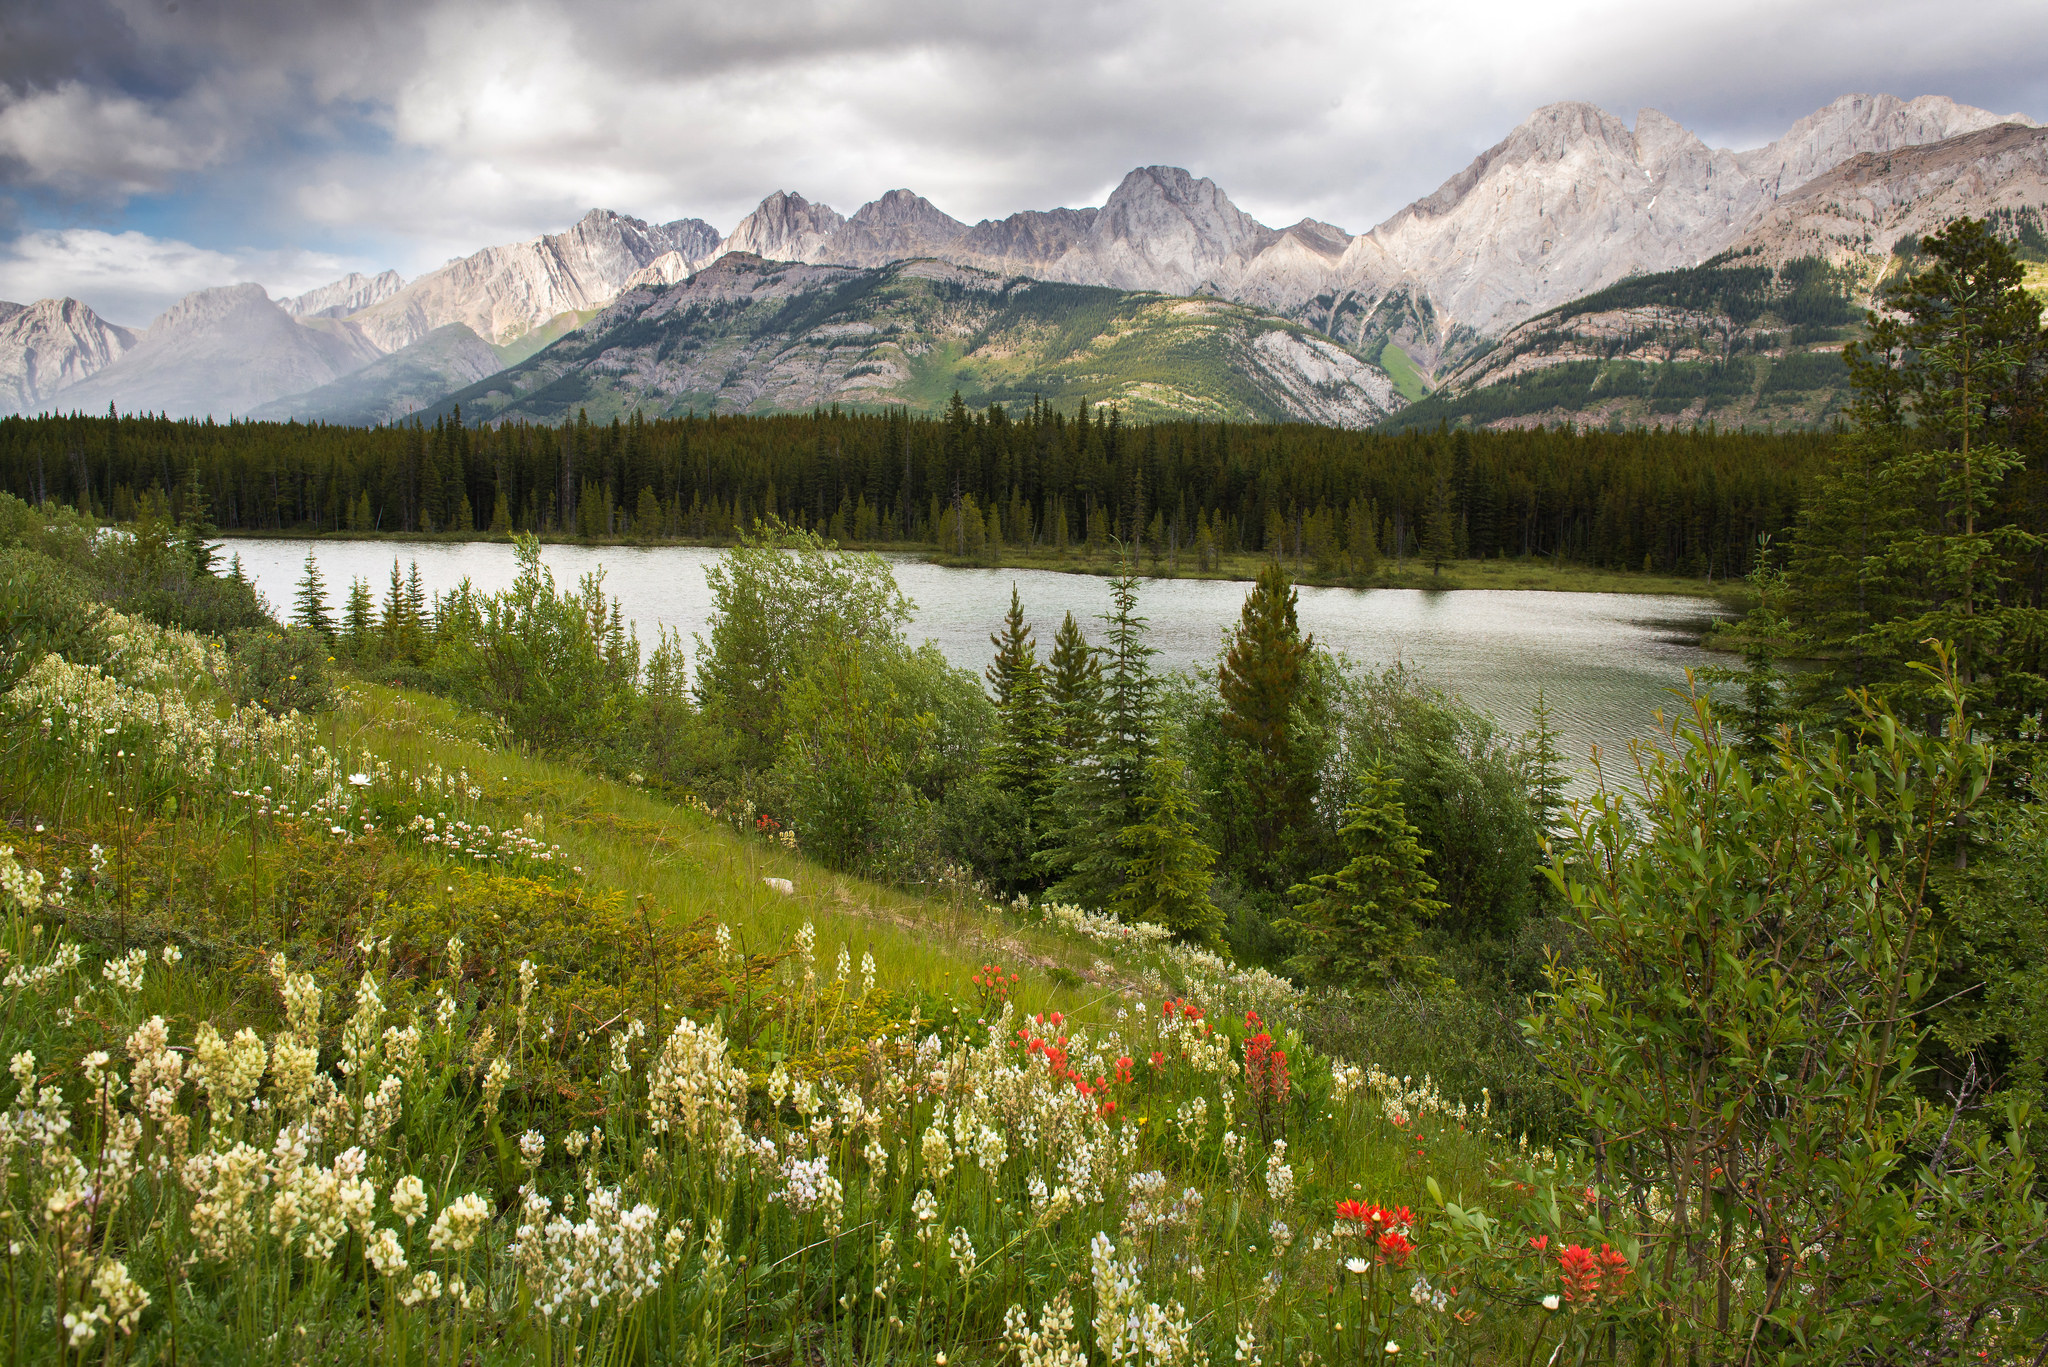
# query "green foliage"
(777, 596)
(309, 604)
(1929, 525)
(558, 668)
(1166, 865)
(1264, 775)
(1741, 1038)
(851, 742)
(1357, 927)
(1462, 785)
(1693, 500)
(1100, 792)
(46, 607)
(281, 670)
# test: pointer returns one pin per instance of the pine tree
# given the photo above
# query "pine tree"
(1262, 683)
(195, 524)
(1099, 797)
(309, 604)
(1076, 687)
(1166, 865)
(501, 515)
(1439, 532)
(1357, 926)
(647, 515)
(1024, 754)
(1544, 763)
(359, 620)
(1917, 539)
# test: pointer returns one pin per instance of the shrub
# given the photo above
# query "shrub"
(284, 669)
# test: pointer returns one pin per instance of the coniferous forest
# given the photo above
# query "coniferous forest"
(1679, 503)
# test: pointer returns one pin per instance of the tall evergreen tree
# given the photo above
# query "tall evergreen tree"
(1545, 766)
(1357, 927)
(1915, 538)
(1263, 683)
(1166, 864)
(1439, 530)
(309, 604)
(1025, 751)
(1076, 691)
(359, 620)
(1100, 795)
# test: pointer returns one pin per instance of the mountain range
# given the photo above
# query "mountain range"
(1171, 299)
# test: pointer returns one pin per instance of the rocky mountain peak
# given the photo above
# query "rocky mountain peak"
(210, 307)
(49, 345)
(338, 299)
(786, 227)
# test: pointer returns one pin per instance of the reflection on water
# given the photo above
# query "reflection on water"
(1605, 661)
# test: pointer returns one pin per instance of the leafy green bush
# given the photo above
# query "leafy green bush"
(285, 669)
(46, 607)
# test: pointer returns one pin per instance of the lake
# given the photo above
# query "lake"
(1605, 661)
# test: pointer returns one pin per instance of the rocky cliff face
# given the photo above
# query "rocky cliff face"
(353, 292)
(786, 227)
(223, 352)
(501, 293)
(50, 345)
(1859, 210)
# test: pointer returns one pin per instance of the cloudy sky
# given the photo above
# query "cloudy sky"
(151, 147)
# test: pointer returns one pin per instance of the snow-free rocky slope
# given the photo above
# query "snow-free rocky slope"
(1753, 336)
(748, 335)
(49, 345)
(392, 388)
(222, 352)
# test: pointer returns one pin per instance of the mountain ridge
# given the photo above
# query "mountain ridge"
(1570, 201)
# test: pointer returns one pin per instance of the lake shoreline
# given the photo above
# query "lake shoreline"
(1520, 575)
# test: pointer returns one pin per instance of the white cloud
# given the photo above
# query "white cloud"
(448, 125)
(130, 277)
(99, 145)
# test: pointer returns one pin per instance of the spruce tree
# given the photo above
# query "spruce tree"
(1917, 537)
(1357, 927)
(1024, 754)
(1544, 763)
(1076, 689)
(309, 604)
(359, 620)
(1100, 794)
(1439, 532)
(1166, 864)
(1269, 784)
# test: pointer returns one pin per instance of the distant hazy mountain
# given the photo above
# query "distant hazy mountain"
(748, 335)
(1440, 295)
(394, 387)
(49, 345)
(222, 351)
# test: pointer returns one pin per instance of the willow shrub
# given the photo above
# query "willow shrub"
(1741, 1038)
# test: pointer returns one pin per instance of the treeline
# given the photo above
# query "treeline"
(1685, 502)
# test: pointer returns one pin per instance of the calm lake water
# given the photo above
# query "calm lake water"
(1605, 661)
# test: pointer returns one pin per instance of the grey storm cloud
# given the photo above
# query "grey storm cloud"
(419, 129)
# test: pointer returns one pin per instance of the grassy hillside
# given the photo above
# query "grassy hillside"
(758, 337)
